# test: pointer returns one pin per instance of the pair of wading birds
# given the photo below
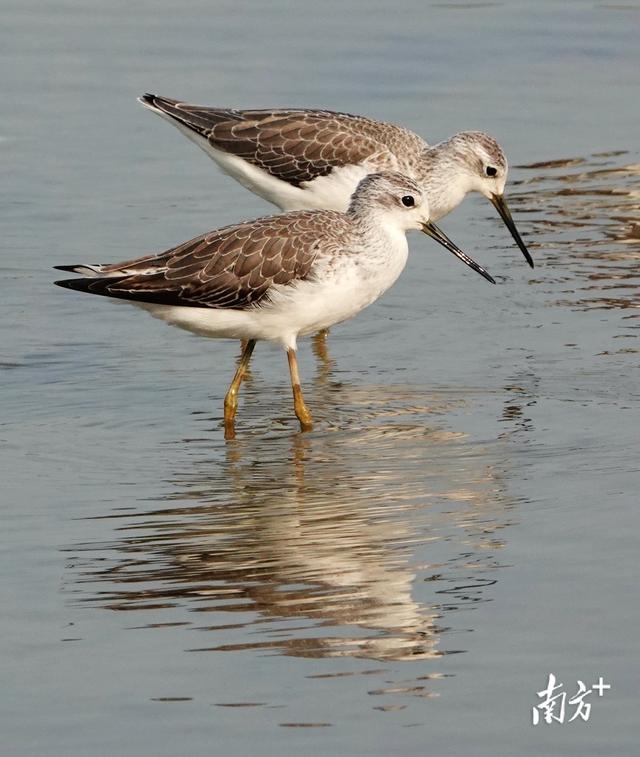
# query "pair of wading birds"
(352, 187)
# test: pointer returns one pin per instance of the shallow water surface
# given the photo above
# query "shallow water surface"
(461, 521)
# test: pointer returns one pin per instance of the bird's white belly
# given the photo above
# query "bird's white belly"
(330, 192)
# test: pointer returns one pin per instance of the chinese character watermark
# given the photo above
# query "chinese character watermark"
(554, 701)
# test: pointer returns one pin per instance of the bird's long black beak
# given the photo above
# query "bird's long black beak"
(500, 204)
(435, 233)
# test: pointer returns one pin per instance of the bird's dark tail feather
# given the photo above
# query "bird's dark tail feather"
(198, 119)
(91, 285)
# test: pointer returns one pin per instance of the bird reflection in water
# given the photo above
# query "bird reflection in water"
(350, 543)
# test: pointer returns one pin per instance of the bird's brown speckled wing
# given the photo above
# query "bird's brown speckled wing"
(296, 146)
(234, 267)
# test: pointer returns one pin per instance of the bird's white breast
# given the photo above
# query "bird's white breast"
(342, 286)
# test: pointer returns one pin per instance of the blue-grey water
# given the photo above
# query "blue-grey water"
(462, 521)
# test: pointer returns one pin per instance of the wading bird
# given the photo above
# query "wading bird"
(278, 277)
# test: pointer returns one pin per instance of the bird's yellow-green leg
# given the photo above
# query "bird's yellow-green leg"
(302, 413)
(231, 397)
(243, 347)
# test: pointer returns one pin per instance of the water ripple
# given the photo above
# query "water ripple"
(586, 222)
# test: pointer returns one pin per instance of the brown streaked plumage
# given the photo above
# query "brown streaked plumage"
(233, 267)
(298, 145)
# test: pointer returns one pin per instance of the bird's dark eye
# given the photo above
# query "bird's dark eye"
(408, 201)
(491, 171)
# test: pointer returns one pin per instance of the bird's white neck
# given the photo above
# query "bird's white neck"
(444, 180)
